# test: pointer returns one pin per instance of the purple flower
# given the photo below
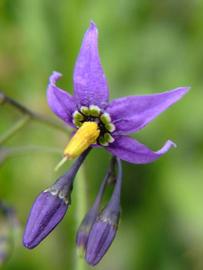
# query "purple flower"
(105, 227)
(98, 121)
(50, 206)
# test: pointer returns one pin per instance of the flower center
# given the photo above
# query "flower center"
(94, 114)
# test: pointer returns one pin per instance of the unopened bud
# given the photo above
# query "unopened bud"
(105, 227)
(90, 217)
(47, 211)
(50, 207)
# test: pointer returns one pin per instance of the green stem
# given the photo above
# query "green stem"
(32, 148)
(8, 152)
(81, 205)
(18, 125)
(45, 120)
(31, 114)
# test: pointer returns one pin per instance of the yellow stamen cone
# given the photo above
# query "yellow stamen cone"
(86, 135)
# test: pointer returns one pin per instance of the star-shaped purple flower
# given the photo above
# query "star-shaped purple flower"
(115, 119)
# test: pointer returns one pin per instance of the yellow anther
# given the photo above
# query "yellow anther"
(86, 135)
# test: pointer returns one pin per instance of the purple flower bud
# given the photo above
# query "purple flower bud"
(90, 217)
(104, 229)
(50, 207)
(100, 238)
(83, 233)
(47, 211)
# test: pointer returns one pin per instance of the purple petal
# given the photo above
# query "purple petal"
(61, 102)
(132, 151)
(90, 86)
(100, 238)
(47, 211)
(132, 113)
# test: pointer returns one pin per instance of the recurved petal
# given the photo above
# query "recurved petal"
(61, 102)
(132, 151)
(90, 85)
(132, 113)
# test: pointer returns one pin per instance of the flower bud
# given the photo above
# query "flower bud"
(100, 238)
(50, 207)
(83, 231)
(88, 220)
(47, 211)
(90, 217)
(104, 229)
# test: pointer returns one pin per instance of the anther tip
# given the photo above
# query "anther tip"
(61, 163)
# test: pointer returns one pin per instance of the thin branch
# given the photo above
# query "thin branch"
(7, 152)
(17, 126)
(33, 115)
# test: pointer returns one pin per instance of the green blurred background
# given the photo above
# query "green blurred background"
(145, 47)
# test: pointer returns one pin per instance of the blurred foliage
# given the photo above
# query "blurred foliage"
(145, 47)
(9, 232)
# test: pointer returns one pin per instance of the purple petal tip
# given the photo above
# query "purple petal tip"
(92, 25)
(166, 147)
(171, 143)
(55, 76)
(184, 89)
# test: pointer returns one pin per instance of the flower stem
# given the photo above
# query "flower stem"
(33, 115)
(18, 125)
(81, 205)
(7, 152)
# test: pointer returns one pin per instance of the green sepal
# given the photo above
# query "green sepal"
(94, 110)
(105, 118)
(85, 110)
(110, 127)
(77, 123)
(103, 141)
(108, 138)
(78, 116)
